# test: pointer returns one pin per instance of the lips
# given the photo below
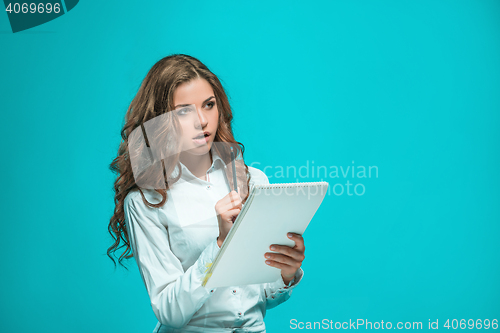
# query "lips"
(202, 135)
(202, 138)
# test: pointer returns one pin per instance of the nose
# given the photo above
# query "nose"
(203, 119)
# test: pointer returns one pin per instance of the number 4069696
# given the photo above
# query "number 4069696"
(32, 8)
(471, 324)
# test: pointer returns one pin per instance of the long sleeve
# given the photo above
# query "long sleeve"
(277, 292)
(176, 295)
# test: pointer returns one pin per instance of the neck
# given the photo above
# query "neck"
(197, 164)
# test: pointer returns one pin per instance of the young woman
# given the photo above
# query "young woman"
(174, 204)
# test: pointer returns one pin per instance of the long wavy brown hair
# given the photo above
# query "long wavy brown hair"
(155, 99)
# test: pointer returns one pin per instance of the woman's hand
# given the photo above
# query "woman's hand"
(289, 259)
(227, 209)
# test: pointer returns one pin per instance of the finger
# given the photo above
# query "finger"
(229, 202)
(280, 265)
(231, 197)
(233, 213)
(240, 193)
(298, 239)
(289, 251)
(226, 208)
(231, 205)
(283, 259)
(236, 200)
(235, 195)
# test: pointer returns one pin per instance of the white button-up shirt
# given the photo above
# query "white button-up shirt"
(173, 247)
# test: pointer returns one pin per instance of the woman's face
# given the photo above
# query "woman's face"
(198, 115)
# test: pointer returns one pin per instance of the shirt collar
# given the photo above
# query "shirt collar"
(216, 159)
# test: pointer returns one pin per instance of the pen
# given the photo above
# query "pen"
(234, 171)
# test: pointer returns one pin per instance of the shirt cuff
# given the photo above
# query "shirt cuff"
(295, 281)
(280, 287)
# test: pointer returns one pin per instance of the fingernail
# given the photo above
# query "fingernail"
(290, 235)
(268, 262)
(273, 247)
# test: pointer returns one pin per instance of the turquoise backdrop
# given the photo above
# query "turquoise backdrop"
(410, 88)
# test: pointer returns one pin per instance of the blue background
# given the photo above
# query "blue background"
(409, 87)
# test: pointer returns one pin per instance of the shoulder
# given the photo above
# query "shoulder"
(257, 176)
(134, 199)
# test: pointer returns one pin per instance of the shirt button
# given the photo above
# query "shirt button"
(234, 291)
(208, 187)
(211, 291)
(239, 313)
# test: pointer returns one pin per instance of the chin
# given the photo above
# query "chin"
(200, 150)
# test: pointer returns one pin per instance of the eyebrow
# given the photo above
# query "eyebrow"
(190, 104)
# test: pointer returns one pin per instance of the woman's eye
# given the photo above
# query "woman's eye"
(183, 111)
(211, 104)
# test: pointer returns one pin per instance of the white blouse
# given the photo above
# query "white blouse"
(173, 247)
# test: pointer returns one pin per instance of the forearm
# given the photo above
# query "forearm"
(175, 303)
